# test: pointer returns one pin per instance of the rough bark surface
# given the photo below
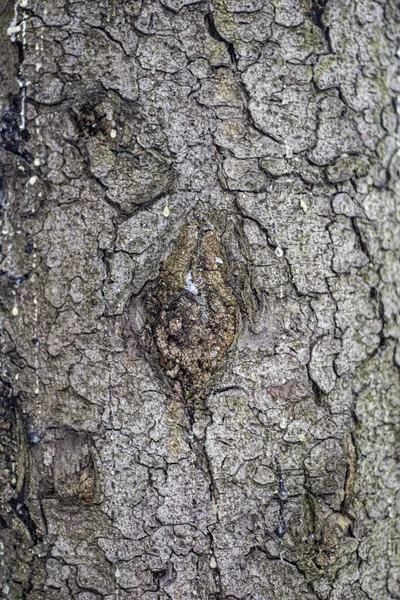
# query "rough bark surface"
(200, 298)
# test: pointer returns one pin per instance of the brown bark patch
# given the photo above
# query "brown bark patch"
(69, 468)
(193, 310)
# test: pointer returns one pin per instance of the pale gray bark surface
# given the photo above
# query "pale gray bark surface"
(136, 468)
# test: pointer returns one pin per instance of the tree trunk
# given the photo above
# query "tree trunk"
(200, 295)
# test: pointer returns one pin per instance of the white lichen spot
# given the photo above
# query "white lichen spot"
(190, 284)
(15, 311)
(302, 437)
(23, 27)
(14, 27)
(37, 391)
(47, 457)
(214, 509)
(219, 260)
(117, 573)
(166, 210)
(23, 85)
(213, 562)
(32, 180)
(279, 252)
(113, 133)
(289, 151)
(303, 205)
(12, 30)
(38, 66)
(36, 162)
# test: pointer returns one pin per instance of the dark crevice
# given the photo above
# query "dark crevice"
(363, 245)
(227, 388)
(350, 476)
(11, 136)
(375, 295)
(22, 512)
(20, 51)
(316, 13)
(212, 30)
(319, 395)
(214, 33)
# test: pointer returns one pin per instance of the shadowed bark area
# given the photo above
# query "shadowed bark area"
(200, 300)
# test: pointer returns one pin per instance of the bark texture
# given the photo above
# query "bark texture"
(200, 298)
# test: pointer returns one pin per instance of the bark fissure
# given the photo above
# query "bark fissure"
(151, 394)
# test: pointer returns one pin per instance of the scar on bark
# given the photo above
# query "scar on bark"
(73, 474)
(193, 312)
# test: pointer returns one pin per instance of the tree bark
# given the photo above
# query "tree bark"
(200, 298)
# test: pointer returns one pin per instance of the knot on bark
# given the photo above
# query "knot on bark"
(194, 314)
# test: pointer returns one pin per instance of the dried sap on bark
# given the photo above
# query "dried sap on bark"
(193, 310)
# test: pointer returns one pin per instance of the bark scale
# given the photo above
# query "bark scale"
(270, 129)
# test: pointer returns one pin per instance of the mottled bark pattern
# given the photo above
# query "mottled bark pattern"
(194, 313)
(72, 473)
(141, 141)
